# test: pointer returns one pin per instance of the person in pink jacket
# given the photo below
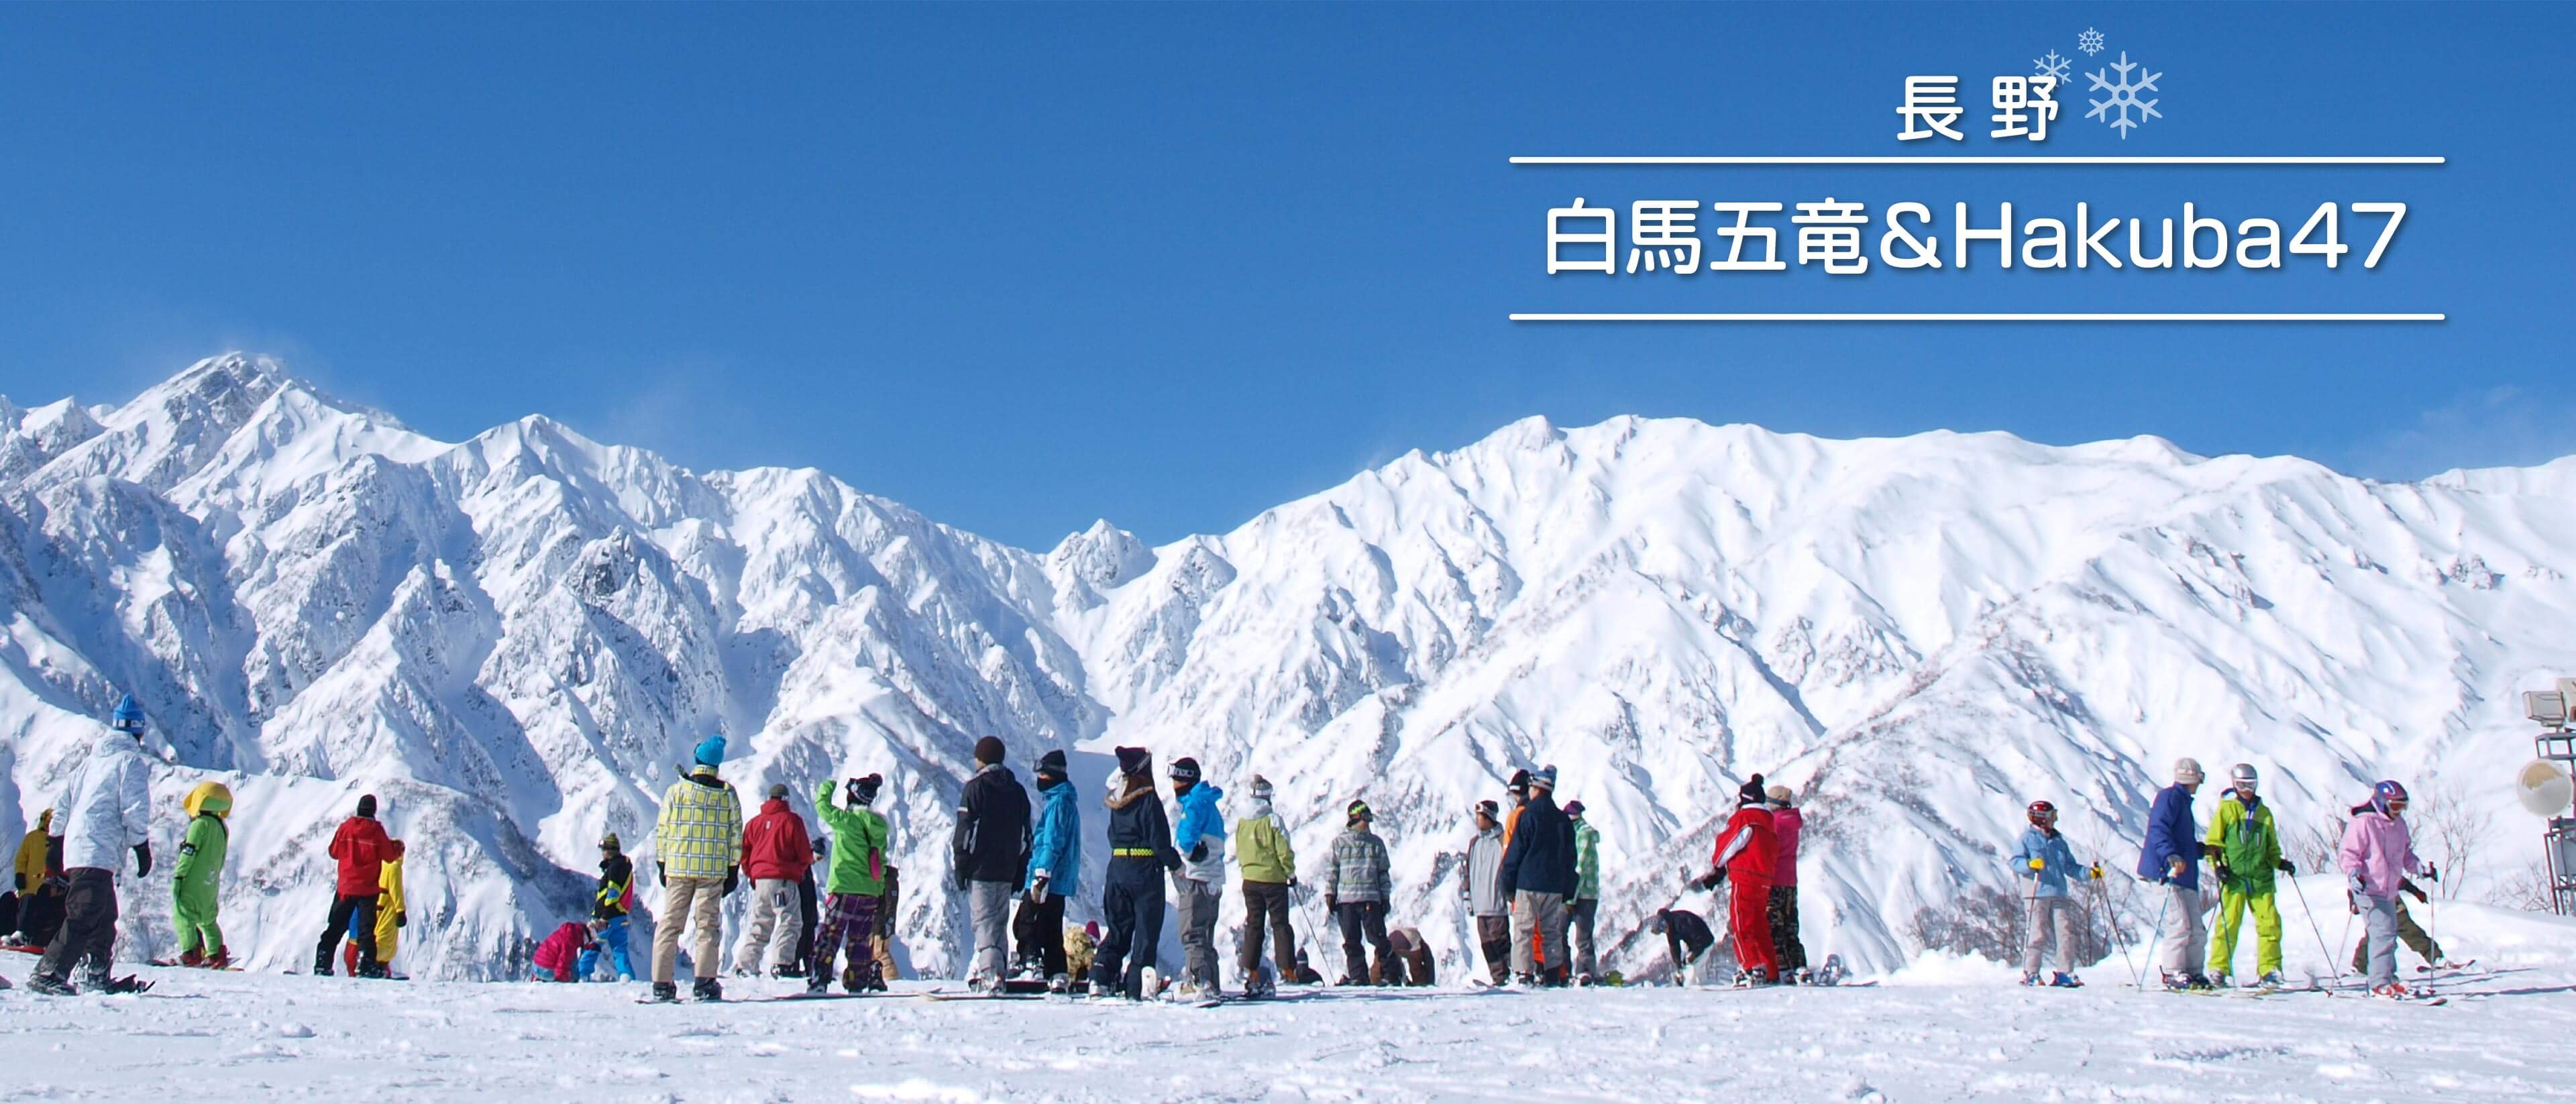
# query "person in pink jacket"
(555, 957)
(2378, 853)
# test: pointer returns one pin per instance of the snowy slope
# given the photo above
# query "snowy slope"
(513, 638)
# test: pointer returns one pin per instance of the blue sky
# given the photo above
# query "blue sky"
(1022, 267)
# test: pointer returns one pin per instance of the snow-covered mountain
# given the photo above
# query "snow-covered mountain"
(513, 638)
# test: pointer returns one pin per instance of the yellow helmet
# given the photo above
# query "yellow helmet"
(210, 797)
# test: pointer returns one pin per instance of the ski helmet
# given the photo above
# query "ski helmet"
(2386, 795)
(2042, 812)
(128, 716)
(2243, 777)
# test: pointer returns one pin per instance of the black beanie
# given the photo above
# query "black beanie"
(863, 791)
(1185, 769)
(1752, 793)
(990, 750)
(1051, 763)
(1134, 759)
(367, 805)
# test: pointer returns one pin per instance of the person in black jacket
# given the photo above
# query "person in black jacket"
(1686, 938)
(1140, 850)
(991, 853)
(1539, 868)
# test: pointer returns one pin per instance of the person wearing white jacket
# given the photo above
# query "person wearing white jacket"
(106, 813)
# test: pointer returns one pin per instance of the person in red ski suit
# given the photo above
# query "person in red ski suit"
(556, 957)
(1746, 855)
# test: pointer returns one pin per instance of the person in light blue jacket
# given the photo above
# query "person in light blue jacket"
(1055, 874)
(1200, 838)
(2047, 862)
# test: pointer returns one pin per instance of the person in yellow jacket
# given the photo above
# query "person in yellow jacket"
(2246, 849)
(390, 917)
(33, 862)
(1269, 865)
(697, 849)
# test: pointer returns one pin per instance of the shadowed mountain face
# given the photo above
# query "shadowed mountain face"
(513, 639)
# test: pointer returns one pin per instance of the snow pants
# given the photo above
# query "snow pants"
(2408, 932)
(88, 935)
(1199, 903)
(2232, 902)
(1784, 929)
(1494, 933)
(353, 916)
(1265, 914)
(1037, 934)
(809, 919)
(989, 905)
(848, 921)
(1133, 902)
(689, 904)
(2053, 920)
(613, 942)
(770, 929)
(1748, 920)
(1365, 920)
(193, 908)
(2379, 921)
(1535, 917)
(2186, 940)
(1581, 918)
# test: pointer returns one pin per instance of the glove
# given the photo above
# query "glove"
(2039, 864)
(2432, 873)
(1332, 902)
(2285, 866)
(1717, 877)
(662, 870)
(733, 879)
(1037, 889)
(402, 919)
(1198, 851)
(2174, 867)
(2097, 872)
(1292, 881)
(2355, 887)
(2225, 874)
(142, 860)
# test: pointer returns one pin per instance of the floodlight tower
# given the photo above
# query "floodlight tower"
(2544, 786)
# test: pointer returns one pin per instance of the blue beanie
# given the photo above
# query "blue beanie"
(129, 715)
(710, 751)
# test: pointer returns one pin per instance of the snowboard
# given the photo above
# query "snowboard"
(175, 964)
(821, 996)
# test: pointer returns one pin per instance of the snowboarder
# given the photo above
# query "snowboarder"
(2408, 932)
(990, 855)
(2048, 862)
(881, 944)
(610, 904)
(1686, 939)
(776, 850)
(1786, 826)
(1587, 894)
(389, 919)
(1055, 875)
(697, 848)
(1269, 863)
(1538, 866)
(1355, 893)
(1199, 837)
(361, 847)
(196, 881)
(37, 859)
(1140, 849)
(107, 812)
(852, 886)
(1412, 957)
(2245, 851)
(559, 956)
(2378, 854)
(2171, 858)
(1486, 899)
(1746, 851)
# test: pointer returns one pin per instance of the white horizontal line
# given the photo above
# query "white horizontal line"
(1941, 160)
(1981, 317)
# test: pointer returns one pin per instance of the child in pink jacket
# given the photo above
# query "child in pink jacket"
(2379, 854)
(555, 956)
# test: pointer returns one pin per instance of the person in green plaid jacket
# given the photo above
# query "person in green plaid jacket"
(697, 846)
(1587, 893)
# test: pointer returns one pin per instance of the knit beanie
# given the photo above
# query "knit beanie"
(367, 805)
(1134, 760)
(1185, 769)
(863, 791)
(710, 751)
(1051, 763)
(1260, 788)
(1753, 793)
(990, 750)
(778, 791)
(1545, 779)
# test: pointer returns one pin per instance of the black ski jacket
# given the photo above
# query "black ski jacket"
(992, 841)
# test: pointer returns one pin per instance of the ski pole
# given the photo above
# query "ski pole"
(2102, 906)
(2319, 932)
(2139, 981)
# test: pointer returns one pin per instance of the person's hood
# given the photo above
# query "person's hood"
(774, 805)
(44, 820)
(1495, 832)
(1260, 807)
(1204, 794)
(705, 775)
(2250, 801)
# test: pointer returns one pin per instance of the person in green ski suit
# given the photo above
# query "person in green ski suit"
(852, 888)
(2246, 849)
(196, 884)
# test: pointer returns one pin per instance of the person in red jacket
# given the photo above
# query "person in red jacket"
(1746, 855)
(776, 852)
(555, 957)
(362, 847)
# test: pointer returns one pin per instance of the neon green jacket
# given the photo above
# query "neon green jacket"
(858, 846)
(2246, 842)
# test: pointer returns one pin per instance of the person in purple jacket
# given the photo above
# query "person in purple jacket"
(2378, 853)
(2171, 858)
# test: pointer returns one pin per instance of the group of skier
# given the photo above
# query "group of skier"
(2242, 848)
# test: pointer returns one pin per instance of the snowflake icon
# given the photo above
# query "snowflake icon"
(2124, 95)
(2090, 42)
(2051, 66)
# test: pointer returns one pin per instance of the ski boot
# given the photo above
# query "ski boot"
(2063, 980)
(707, 990)
(1098, 991)
(1060, 984)
(2272, 980)
(851, 982)
(874, 982)
(2393, 990)
(2030, 980)
(2221, 981)
(222, 959)
(1519, 981)
(126, 984)
(666, 992)
(50, 986)
(1806, 976)
(818, 985)
(192, 958)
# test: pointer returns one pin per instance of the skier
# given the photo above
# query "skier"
(558, 957)
(2171, 858)
(2048, 862)
(610, 903)
(2245, 850)
(1746, 852)
(775, 850)
(1140, 849)
(1686, 938)
(1786, 826)
(1538, 867)
(1355, 892)
(990, 852)
(881, 944)
(1055, 875)
(2378, 853)
(1587, 894)
(2408, 932)
(852, 887)
(107, 811)
(1483, 889)
(1269, 863)
(389, 918)
(196, 881)
(361, 847)
(697, 848)
(1199, 836)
